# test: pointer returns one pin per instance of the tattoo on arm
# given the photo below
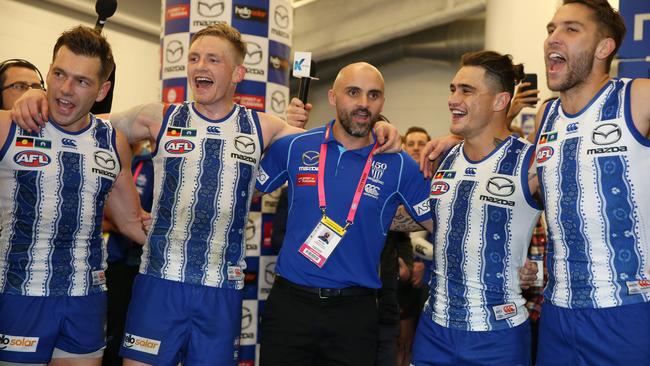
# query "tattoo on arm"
(404, 222)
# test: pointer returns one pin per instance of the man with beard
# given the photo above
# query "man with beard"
(322, 308)
(593, 150)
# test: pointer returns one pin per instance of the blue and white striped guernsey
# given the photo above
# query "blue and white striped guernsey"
(484, 215)
(204, 177)
(594, 169)
(53, 186)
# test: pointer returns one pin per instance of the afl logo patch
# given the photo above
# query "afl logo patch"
(179, 146)
(544, 154)
(32, 159)
(438, 188)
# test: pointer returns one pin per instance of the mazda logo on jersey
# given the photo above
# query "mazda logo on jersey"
(179, 146)
(32, 159)
(310, 158)
(104, 160)
(500, 186)
(174, 51)
(269, 273)
(210, 9)
(245, 144)
(254, 54)
(278, 102)
(606, 134)
(281, 16)
(246, 318)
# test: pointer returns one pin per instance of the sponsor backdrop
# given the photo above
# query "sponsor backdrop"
(266, 26)
(634, 54)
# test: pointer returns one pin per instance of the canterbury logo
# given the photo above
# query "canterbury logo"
(69, 142)
(245, 144)
(174, 51)
(210, 9)
(606, 134)
(310, 158)
(500, 186)
(104, 160)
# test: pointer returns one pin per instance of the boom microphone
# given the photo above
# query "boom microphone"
(104, 9)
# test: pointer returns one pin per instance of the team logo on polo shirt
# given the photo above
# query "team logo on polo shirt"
(377, 172)
(371, 190)
(306, 180)
(309, 161)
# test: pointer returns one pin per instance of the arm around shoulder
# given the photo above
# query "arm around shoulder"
(141, 122)
(274, 128)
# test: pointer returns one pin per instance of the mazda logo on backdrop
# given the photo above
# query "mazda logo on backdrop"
(174, 51)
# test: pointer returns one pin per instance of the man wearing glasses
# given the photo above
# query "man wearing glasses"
(16, 77)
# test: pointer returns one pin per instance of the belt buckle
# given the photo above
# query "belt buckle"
(326, 293)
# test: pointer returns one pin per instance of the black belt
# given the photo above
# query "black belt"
(325, 293)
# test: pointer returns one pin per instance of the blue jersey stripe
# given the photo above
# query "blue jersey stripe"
(455, 255)
(204, 211)
(235, 234)
(165, 211)
(550, 243)
(496, 239)
(243, 122)
(27, 198)
(553, 116)
(450, 158)
(611, 107)
(619, 224)
(572, 226)
(96, 254)
(102, 135)
(67, 225)
(509, 162)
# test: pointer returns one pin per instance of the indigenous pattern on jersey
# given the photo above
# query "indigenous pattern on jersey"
(484, 215)
(592, 167)
(54, 186)
(204, 174)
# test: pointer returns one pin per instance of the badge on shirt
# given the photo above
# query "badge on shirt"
(505, 311)
(638, 287)
(322, 241)
(99, 277)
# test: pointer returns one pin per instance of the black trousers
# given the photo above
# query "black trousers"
(299, 328)
(119, 280)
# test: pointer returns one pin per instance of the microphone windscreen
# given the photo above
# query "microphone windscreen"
(105, 8)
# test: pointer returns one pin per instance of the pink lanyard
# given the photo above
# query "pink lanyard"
(321, 179)
(137, 171)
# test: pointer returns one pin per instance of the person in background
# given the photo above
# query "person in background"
(16, 77)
